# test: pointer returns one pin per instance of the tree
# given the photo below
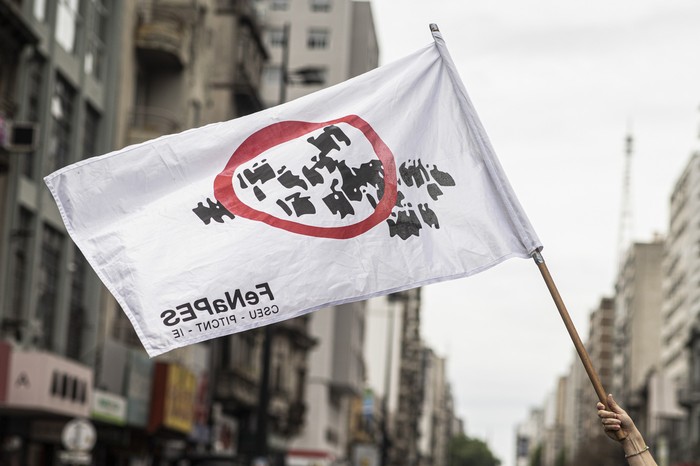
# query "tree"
(536, 457)
(465, 451)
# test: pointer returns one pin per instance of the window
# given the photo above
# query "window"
(123, 331)
(275, 37)
(279, 5)
(317, 39)
(62, 113)
(272, 75)
(34, 84)
(321, 6)
(78, 271)
(242, 347)
(96, 39)
(19, 242)
(40, 10)
(91, 128)
(67, 23)
(49, 273)
(309, 75)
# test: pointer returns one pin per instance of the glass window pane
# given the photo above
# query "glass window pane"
(317, 39)
(275, 37)
(62, 113)
(40, 10)
(91, 132)
(67, 23)
(279, 4)
(321, 5)
(49, 273)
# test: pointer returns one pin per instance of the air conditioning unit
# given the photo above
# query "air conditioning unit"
(19, 136)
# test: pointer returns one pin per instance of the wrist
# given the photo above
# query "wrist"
(633, 443)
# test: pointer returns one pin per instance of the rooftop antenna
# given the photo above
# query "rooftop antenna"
(625, 227)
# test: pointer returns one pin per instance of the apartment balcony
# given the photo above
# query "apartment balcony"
(297, 413)
(152, 122)
(236, 388)
(296, 330)
(688, 396)
(162, 39)
(241, 8)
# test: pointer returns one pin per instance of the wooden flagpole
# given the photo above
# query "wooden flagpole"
(580, 349)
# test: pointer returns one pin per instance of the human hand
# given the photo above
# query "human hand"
(616, 422)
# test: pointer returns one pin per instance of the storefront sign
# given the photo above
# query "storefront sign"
(139, 379)
(42, 380)
(172, 404)
(108, 407)
(5, 353)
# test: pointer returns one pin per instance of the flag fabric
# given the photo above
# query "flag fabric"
(382, 183)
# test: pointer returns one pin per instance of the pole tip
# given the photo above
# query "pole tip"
(434, 27)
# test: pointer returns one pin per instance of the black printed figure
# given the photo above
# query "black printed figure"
(312, 175)
(290, 180)
(442, 178)
(405, 225)
(337, 203)
(414, 173)
(367, 174)
(434, 191)
(214, 211)
(262, 173)
(301, 205)
(404, 221)
(399, 199)
(325, 142)
(259, 194)
(428, 216)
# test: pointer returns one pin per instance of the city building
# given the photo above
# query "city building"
(334, 384)
(529, 438)
(601, 348)
(574, 411)
(437, 414)
(393, 354)
(315, 44)
(689, 398)
(681, 293)
(638, 299)
(554, 429)
(681, 310)
(59, 77)
(85, 78)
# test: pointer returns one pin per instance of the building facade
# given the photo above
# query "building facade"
(93, 76)
(335, 382)
(315, 44)
(395, 373)
(638, 301)
(59, 74)
(681, 270)
(680, 309)
(437, 411)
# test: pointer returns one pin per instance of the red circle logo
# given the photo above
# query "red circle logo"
(285, 131)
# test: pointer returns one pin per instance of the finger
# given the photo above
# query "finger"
(612, 404)
(606, 414)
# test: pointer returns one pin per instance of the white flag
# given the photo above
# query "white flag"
(379, 184)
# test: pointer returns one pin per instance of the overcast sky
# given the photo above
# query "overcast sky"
(557, 86)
